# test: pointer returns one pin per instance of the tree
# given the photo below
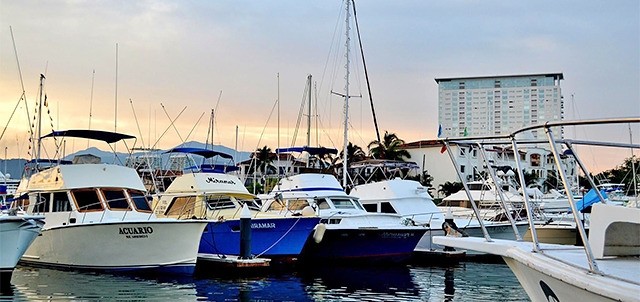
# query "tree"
(388, 148)
(424, 179)
(354, 153)
(449, 188)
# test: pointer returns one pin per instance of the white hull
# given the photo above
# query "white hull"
(16, 234)
(569, 279)
(119, 245)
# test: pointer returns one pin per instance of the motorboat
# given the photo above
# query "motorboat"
(218, 198)
(606, 268)
(17, 231)
(347, 231)
(413, 202)
(98, 217)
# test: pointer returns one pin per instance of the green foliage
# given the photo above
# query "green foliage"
(388, 148)
(449, 188)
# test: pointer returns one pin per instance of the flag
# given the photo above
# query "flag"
(465, 132)
(439, 130)
(444, 148)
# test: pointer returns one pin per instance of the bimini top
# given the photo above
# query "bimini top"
(200, 151)
(310, 150)
(106, 136)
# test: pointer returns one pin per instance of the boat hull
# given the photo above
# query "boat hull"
(276, 238)
(364, 245)
(16, 234)
(135, 246)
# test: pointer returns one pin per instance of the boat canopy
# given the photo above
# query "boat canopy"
(213, 168)
(589, 199)
(106, 136)
(200, 151)
(310, 150)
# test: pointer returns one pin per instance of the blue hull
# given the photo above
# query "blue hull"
(364, 245)
(270, 237)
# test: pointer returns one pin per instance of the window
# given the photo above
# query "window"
(140, 200)
(219, 202)
(371, 207)
(87, 200)
(322, 204)
(116, 200)
(251, 203)
(385, 207)
(183, 205)
(535, 160)
(342, 203)
(42, 203)
(496, 84)
(461, 85)
(461, 168)
(297, 204)
(61, 202)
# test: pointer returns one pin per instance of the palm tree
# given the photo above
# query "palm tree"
(263, 159)
(389, 148)
(449, 188)
(354, 153)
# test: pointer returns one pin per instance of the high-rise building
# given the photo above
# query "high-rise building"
(491, 105)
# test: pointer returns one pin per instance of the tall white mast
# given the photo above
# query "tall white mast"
(346, 96)
(39, 129)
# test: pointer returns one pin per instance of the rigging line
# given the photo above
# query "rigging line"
(366, 74)
(300, 113)
(194, 127)
(135, 117)
(24, 96)
(172, 124)
(168, 127)
(265, 125)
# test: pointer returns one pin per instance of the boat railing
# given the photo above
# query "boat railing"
(412, 217)
(553, 144)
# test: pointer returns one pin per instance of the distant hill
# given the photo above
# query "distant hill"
(15, 166)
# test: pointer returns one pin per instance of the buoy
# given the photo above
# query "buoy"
(318, 234)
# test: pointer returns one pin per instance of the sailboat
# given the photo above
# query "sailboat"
(348, 232)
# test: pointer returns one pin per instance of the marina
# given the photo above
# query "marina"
(506, 201)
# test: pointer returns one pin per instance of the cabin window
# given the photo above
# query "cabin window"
(478, 187)
(42, 203)
(371, 207)
(386, 207)
(276, 205)
(183, 205)
(116, 200)
(87, 200)
(251, 203)
(219, 202)
(535, 160)
(297, 204)
(21, 203)
(61, 202)
(140, 200)
(342, 203)
(323, 204)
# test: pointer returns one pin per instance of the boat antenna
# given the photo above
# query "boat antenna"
(115, 119)
(366, 74)
(93, 76)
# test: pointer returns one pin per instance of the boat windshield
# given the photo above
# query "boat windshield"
(251, 203)
(345, 203)
(140, 200)
(217, 202)
(116, 200)
(87, 200)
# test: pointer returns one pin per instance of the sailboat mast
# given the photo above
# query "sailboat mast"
(309, 112)
(39, 130)
(346, 98)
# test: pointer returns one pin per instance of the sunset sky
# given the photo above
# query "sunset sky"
(228, 54)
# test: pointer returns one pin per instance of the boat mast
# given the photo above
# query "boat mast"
(39, 129)
(366, 74)
(346, 98)
(309, 113)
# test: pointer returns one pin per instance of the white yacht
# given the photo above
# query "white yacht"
(347, 231)
(606, 268)
(17, 232)
(98, 217)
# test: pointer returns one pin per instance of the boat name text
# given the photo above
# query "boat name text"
(139, 232)
(219, 181)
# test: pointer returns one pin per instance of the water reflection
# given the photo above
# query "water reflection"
(462, 282)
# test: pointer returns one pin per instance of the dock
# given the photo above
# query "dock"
(233, 261)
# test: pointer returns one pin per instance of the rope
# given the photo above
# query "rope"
(280, 239)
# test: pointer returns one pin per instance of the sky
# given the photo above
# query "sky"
(178, 60)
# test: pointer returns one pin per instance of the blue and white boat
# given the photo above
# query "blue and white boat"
(218, 198)
(347, 232)
(98, 217)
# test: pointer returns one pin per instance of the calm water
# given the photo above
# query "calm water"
(462, 282)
